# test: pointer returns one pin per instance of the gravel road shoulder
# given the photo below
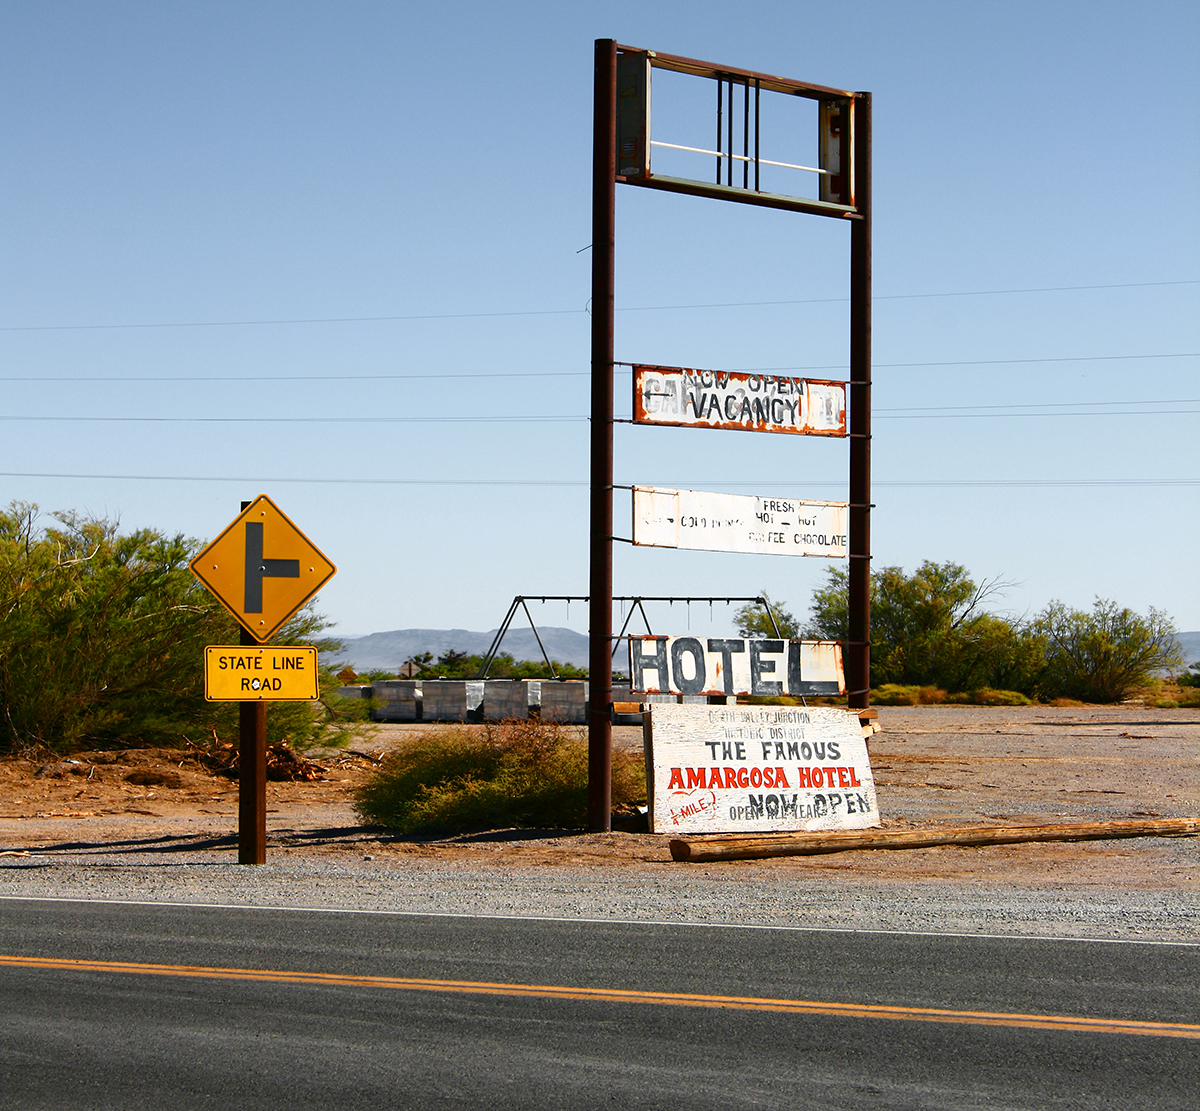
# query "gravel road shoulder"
(94, 834)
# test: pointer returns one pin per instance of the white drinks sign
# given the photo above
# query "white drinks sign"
(707, 522)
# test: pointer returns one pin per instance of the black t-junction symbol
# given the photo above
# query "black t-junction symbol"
(258, 568)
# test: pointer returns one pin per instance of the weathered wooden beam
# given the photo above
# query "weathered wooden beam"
(699, 850)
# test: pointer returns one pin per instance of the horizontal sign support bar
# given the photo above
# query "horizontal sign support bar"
(740, 157)
(769, 81)
(742, 196)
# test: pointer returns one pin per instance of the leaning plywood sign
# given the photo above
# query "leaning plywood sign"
(756, 769)
(735, 665)
(738, 523)
(744, 402)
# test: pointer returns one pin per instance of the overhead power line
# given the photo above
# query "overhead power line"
(931, 411)
(931, 414)
(303, 420)
(577, 312)
(243, 378)
(1031, 483)
(971, 362)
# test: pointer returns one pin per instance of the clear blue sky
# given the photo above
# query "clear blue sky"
(200, 202)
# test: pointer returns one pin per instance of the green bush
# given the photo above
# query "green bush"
(893, 694)
(1105, 655)
(987, 696)
(524, 774)
(928, 629)
(453, 664)
(102, 639)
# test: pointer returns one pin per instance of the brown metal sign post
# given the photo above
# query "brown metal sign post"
(858, 655)
(600, 578)
(252, 773)
(622, 152)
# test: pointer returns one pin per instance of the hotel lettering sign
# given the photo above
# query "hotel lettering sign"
(735, 665)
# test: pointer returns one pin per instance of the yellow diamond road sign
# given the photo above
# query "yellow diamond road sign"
(262, 568)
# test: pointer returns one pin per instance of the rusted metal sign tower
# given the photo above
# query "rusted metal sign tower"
(622, 153)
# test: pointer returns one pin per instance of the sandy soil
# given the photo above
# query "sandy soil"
(933, 766)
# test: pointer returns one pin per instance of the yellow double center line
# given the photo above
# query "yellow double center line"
(614, 995)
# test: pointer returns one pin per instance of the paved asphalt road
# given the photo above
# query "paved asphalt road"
(399, 1011)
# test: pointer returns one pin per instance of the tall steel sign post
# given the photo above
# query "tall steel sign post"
(622, 153)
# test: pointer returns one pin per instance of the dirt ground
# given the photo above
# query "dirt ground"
(933, 766)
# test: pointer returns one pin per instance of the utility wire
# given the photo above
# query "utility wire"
(888, 414)
(241, 378)
(1032, 483)
(303, 420)
(970, 362)
(576, 312)
(956, 411)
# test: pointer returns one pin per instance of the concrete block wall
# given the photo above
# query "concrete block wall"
(493, 699)
(396, 700)
(564, 701)
(511, 698)
(452, 699)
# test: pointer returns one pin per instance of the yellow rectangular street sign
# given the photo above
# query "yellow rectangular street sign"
(233, 673)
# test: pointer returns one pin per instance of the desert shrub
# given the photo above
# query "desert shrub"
(102, 636)
(525, 774)
(754, 619)
(928, 628)
(331, 722)
(453, 664)
(990, 697)
(894, 694)
(1105, 655)
(987, 696)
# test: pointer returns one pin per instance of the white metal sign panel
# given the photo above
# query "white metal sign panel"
(744, 402)
(756, 769)
(735, 665)
(739, 523)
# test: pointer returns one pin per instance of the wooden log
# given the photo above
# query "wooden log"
(699, 850)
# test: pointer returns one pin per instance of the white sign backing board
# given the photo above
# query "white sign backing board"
(739, 401)
(735, 665)
(739, 523)
(756, 769)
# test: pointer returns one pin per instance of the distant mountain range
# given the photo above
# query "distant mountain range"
(390, 650)
(1191, 646)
